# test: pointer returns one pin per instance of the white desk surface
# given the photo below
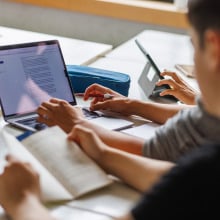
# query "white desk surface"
(165, 48)
(75, 51)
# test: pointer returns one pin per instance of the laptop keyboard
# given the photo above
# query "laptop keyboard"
(90, 115)
(33, 123)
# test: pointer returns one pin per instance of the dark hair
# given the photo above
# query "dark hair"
(204, 15)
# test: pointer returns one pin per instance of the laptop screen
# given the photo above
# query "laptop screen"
(30, 74)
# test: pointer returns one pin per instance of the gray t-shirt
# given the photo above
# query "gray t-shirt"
(188, 130)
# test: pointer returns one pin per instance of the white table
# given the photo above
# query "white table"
(166, 49)
(75, 51)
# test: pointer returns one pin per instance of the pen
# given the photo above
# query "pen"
(105, 96)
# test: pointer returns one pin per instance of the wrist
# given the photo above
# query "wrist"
(29, 208)
(133, 106)
(79, 121)
(15, 208)
(105, 159)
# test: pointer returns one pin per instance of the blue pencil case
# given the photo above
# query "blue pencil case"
(83, 76)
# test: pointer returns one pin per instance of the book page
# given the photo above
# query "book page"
(51, 189)
(66, 161)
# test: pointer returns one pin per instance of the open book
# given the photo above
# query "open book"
(69, 172)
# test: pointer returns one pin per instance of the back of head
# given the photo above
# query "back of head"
(204, 15)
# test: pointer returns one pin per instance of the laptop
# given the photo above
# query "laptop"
(31, 73)
(151, 75)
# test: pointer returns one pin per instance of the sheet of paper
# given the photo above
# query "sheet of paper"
(143, 131)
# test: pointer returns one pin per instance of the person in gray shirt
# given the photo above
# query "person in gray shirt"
(189, 129)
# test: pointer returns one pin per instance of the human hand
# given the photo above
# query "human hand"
(18, 183)
(61, 113)
(115, 104)
(180, 88)
(118, 105)
(90, 143)
(96, 89)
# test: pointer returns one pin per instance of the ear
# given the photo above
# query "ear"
(212, 48)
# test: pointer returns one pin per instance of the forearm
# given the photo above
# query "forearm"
(117, 139)
(139, 172)
(156, 112)
(30, 209)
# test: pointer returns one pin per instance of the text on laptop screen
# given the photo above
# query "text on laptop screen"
(30, 75)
